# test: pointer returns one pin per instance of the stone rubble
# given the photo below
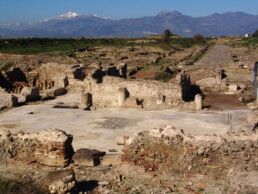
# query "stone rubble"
(159, 160)
(167, 151)
(62, 181)
(51, 147)
(87, 157)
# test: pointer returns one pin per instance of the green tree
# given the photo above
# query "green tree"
(255, 34)
(166, 35)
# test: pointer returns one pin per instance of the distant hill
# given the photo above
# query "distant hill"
(74, 25)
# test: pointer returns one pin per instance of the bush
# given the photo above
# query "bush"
(198, 37)
(164, 77)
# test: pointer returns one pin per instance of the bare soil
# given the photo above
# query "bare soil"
(217, 101)
(144, 75)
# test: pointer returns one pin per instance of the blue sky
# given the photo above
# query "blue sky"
(34, 10)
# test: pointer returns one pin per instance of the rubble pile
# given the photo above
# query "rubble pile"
(159, 160)
(168, 152)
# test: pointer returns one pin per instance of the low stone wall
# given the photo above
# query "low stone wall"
(51, 147)
(107, 92)
(147, 93)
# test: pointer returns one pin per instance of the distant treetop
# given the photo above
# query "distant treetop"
(166, 35)
(255, 34)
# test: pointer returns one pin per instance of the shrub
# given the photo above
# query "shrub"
(198, 36)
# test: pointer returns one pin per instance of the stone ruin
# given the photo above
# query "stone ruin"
(117, 92)
(104, 86)
(164, 154)
(50, 147)
(218, 83)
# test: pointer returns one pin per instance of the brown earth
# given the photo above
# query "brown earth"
(144, 75)
(217, 101)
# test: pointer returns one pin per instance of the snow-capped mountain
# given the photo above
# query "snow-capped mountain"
(68, 15)
(63, 17)
(75, 25)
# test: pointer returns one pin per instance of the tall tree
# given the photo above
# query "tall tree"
(255, 34)
(166, 35)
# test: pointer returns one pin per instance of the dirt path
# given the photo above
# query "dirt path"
(218, 55)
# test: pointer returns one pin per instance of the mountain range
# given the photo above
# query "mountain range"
(87, 25)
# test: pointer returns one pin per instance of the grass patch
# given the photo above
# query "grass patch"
(30, 46)
(189, 42)
(164, 77)
(251, 43)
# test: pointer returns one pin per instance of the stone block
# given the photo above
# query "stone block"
(219, 77)
(87, 157)
(232, 88)
(12, 101)
(198, 102)
(50, 147)
(86, 100)
(55, 148)
(62, 181)
(121, 140)
(47, 94)
(111, 160)
(30, 93)
(121, 96)
(59, 91)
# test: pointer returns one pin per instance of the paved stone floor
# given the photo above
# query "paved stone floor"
(218, 55)
(99, 128)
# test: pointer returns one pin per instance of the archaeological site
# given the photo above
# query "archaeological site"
(132, 115)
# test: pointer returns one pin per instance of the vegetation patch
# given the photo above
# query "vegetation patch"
(7, 66)
(164, 76)
(250, 43)
(14, 187)
(189, 42)
(30, 46)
